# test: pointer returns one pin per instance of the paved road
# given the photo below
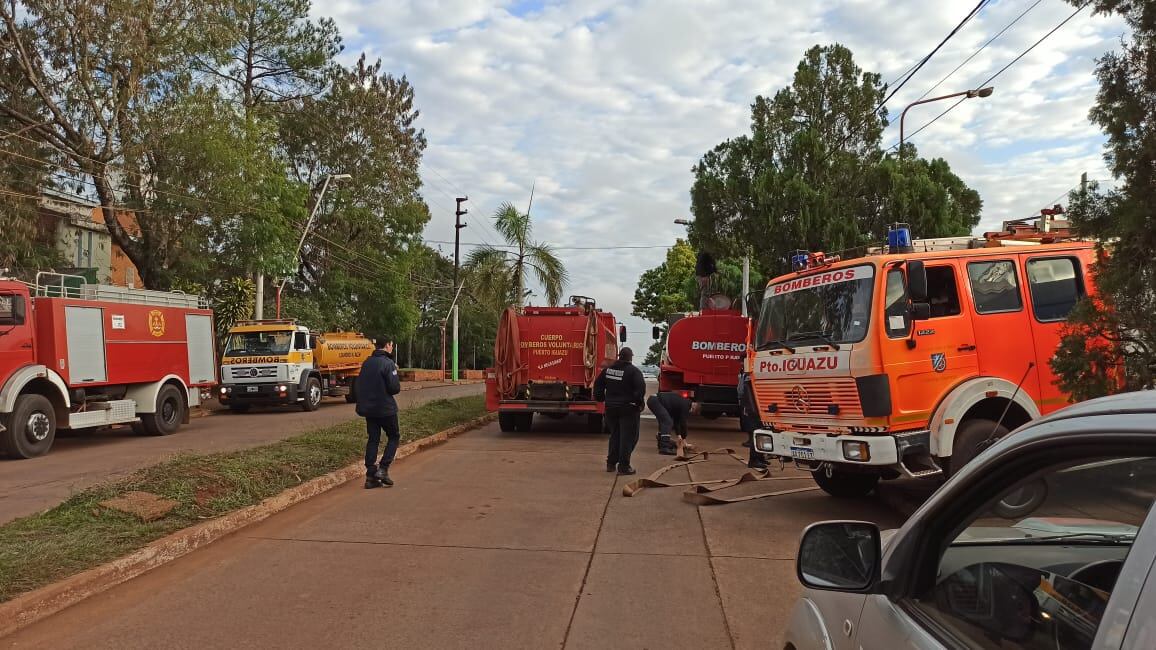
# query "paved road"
(490, 541)
(30, 486)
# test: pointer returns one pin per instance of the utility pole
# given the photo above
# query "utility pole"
(304, 234)
(1084, 183)
(458, 225)
(746, 282)
(259, 309)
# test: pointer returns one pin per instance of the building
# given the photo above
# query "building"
(77, 230)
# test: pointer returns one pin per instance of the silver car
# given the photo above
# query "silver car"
(1077, 571)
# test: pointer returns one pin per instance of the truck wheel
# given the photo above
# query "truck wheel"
(169, 414)
(1023, 501)
(968, 437)
(312, 399)
(351, 396)
(594, 423)
(844, 484)
(507, 422)
(30, 428)
(524, 421)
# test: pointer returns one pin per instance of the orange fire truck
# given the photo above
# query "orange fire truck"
(910, 360)
(76, 356)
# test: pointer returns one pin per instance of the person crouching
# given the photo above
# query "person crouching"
(672, 411)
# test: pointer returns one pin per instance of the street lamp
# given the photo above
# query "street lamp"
(305, 231)
(967, 94)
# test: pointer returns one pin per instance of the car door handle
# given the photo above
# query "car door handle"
(967, 347)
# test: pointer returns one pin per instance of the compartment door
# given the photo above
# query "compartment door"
(86, 352)
(202, 358)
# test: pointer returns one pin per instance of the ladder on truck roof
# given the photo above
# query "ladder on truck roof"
(79, 288)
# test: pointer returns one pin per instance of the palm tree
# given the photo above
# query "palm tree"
(503, 272)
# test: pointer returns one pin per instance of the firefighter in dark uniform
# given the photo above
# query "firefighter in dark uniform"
(623, 389)
(671, 410)
(749, 420)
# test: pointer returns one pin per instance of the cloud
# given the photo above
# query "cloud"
(605, 105)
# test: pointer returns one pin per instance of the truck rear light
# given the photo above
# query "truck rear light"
(856, 451)
(764, 442)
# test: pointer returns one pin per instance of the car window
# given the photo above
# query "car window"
(1037, 567)
(1055, 287)
(994, 286)
(896, 317)
(942, 292)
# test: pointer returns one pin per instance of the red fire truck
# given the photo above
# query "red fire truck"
(77, 356)
(546, 360)
(702, 358)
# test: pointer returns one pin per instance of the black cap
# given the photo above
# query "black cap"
(626, 354)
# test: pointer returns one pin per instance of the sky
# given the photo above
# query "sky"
(604, 106)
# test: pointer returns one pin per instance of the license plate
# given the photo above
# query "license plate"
(803, 453)
(252, 389)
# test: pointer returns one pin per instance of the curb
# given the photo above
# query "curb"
(38, 605)
(202, 412)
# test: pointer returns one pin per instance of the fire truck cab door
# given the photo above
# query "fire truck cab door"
(1002, 324)
(925, 359)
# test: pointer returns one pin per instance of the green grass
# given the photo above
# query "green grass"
(80, 534)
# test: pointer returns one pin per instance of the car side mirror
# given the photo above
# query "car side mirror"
(916, 281)
(655, 332)
(622, 333)
(920, 311)
(840, 556)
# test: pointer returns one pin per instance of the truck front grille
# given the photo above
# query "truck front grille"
(808, 399)
(252, 372)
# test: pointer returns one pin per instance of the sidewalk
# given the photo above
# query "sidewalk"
(491, 541)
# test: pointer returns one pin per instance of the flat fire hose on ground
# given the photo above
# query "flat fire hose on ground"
(702, 492)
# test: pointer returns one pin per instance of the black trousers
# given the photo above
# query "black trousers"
(373, 428)
(623, 421)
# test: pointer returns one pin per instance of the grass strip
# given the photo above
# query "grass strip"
(80, 534)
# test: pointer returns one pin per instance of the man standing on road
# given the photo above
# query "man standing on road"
(623, 388)
(375, 387)
(672, 411)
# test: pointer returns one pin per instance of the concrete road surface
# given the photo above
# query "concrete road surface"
(30, 486)
(490, 541)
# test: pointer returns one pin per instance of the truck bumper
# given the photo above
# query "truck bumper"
(544, 406)
(872, 451)
(258, 394)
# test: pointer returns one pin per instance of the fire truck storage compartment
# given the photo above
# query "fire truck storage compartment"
(84, 333)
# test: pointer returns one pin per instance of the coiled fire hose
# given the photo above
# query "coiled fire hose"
(507, 362)
(590, 347)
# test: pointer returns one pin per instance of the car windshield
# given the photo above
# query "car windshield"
(257, 343)
(827, 307)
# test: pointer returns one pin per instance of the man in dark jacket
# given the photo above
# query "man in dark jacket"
(671, 410)
(704, 267)
(623, 388)
(375, 387)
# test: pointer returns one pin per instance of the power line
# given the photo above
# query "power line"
(981, 48)
(997, 74)
(558, 248)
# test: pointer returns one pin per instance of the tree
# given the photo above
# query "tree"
(811, 173)
(662, 290)
(528, 257)
(355, 266)
(1121, 220)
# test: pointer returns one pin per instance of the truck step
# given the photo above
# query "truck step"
(113, 412)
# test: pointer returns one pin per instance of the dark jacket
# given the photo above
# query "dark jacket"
(704, 266)
(621, 384)
(677, 406)
(376, 385)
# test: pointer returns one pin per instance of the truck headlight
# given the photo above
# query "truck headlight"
(282, 388)
(856, 450)
(764, 442)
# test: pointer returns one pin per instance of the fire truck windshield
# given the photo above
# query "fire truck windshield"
(830, 307)
(258, 343)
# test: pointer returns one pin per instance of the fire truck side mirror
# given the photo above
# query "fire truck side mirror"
(920, 311)
(655, 332)
(916, 281)
(622, 333)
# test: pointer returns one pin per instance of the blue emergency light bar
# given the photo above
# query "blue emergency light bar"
(899, 239)
(799, 260)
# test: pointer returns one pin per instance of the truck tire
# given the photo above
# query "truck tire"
(169, 413)
(507, 422)
(968, 437)
(594, 423)
(312, 398)
(524, 421)
(351, 396)
(30, 428)
(844, 484)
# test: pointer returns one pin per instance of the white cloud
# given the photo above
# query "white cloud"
(607, 104)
